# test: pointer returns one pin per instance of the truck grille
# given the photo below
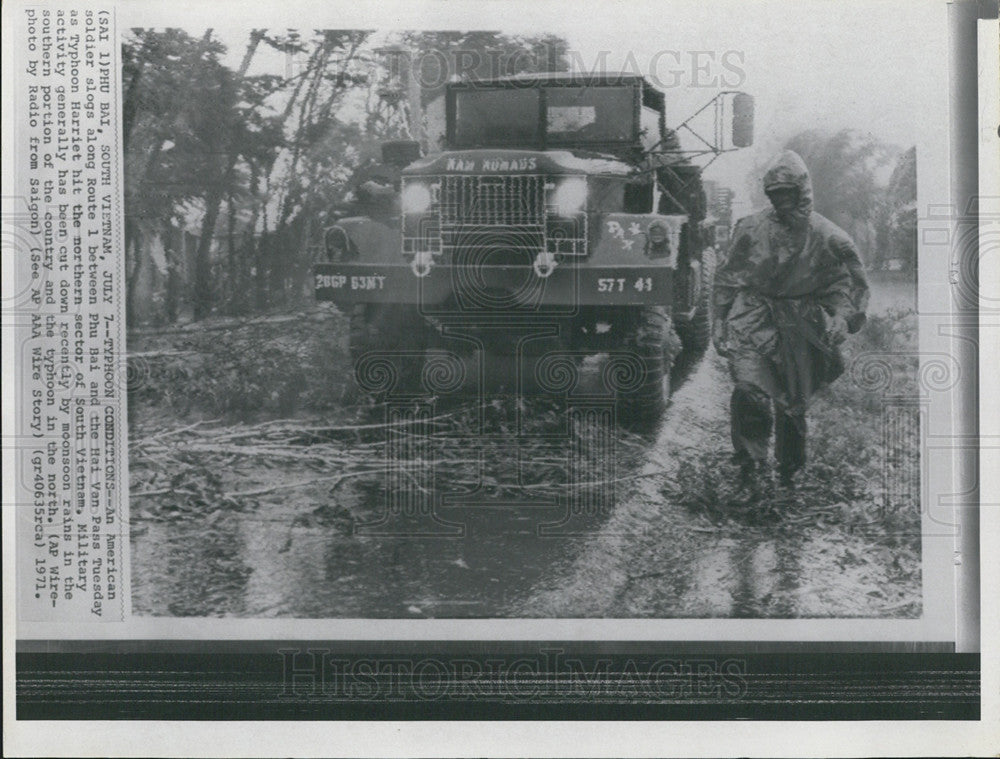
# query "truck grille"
(492, 211)
(493, 200)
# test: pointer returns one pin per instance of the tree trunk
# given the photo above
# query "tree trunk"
(203, 262)
(231, 273)
(203, 290)
(132, 277)
(130, 102)
(173, 278)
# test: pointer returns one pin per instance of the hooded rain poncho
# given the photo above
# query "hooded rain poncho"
(778, 287)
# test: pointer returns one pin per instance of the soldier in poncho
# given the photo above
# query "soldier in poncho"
(787, 293)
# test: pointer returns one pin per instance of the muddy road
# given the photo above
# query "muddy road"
(491, 528)
(773, 556)
(254, 493)
(287, 516)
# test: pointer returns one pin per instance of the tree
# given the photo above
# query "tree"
(845, 169)
(897, 224)
(336, 64)
(187, 120)
(263, 160)
(223, 142)
(166, 81)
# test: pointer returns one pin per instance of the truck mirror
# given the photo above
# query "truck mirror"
(400, 152)
(742, 120)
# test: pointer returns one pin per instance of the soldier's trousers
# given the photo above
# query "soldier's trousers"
(752, 420)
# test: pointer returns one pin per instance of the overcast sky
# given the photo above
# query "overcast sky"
(810, 65)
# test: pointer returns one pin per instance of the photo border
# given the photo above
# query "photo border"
(52, 675)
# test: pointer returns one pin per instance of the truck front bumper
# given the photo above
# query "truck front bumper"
(494, 288)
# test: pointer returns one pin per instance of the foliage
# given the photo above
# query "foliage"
(843, 486)
(897, 222)
(843, 170)
(253, 164)
(848, 171)
(481, 55)
(246, 369)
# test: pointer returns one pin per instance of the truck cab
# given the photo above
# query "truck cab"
(561, 198)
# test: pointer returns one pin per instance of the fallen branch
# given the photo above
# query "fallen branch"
(336, 479)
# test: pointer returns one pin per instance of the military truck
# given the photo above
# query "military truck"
(560, 217)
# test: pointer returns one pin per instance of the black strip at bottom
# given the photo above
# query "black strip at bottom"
(539, 683)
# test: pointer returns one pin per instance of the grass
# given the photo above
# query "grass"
(858, 478)
(240, 371)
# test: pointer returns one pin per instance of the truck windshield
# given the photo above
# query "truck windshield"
(496, 117)
(588, 114)
(573, 115)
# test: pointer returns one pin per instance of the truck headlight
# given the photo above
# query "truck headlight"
(570, 196)
(416, 198)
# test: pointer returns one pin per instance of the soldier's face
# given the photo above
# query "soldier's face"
(784, 199)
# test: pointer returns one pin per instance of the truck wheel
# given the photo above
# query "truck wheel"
(651, 339)
(696, 333)
(398, 331)
(360, 333)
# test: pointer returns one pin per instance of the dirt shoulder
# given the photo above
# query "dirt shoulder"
(250, 478)
(687, 544)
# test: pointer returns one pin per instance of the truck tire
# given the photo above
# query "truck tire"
(398, 331)
(652, 340)
(360, 332)
(696, 332)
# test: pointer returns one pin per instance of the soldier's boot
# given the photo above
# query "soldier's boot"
(746, 464)
(754, 480)
(786, 478)
(789, 444)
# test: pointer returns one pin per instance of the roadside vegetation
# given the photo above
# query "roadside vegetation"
(863, 474)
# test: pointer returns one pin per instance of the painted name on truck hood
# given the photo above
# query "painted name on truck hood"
(515, 161)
